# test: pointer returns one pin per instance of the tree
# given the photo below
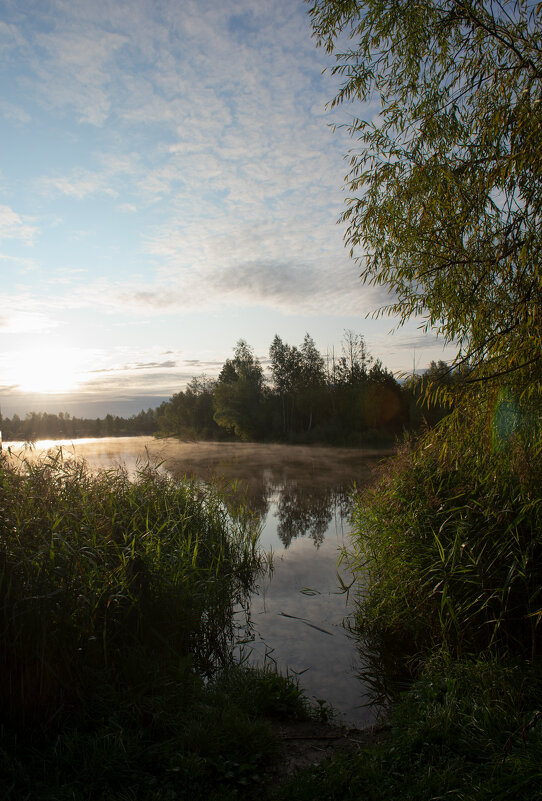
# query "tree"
(312, 378)
(286, 368)
(351, 367)
(445, 205)
(190, 413)
(238, 393)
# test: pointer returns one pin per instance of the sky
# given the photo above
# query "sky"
(170, 183)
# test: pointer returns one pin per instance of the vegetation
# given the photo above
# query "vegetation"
(453, 538)
(448, 553)
(43, 425)
(444, 212)
(445, 189)
(116, 616)
(464, 730)
(350, 398)
(338, 399)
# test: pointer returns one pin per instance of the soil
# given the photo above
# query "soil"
(306, 743)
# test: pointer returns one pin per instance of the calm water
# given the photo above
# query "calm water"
(301, 497)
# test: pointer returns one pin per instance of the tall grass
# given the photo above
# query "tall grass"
(470, 731)
(450, 542)
(109, 584)
(448, 551)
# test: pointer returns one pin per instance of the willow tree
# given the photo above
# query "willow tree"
(445, 181)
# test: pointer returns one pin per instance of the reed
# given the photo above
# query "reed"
(448, 546)
(109, 582)
(467, 730)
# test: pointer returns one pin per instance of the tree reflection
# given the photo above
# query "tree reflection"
(304, 513)
(302, 489)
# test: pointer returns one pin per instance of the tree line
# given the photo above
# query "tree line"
(343, 398)
(43, 425)
(308, 397)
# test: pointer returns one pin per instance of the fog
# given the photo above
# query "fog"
(300, 497)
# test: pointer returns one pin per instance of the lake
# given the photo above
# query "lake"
(300, 495)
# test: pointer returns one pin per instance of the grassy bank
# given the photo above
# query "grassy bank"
(452, 536)
(467, 729)
(448, 550)
(118, 601)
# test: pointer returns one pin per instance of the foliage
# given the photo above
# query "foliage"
(450, 541)
(189, 414)
(445, 185)
(238, 395)
(471, 731)
(105, 581)
(162, 740)
(350, 399)
(117, 601)
(433, 394)
(43, 425)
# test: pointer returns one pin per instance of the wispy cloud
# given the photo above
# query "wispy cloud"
(138, 366)
(285, 286)
(178, 163)
(14, 113)
(74, 64)
(24, 263)
(14, 226)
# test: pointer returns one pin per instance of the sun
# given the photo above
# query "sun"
(51, 370)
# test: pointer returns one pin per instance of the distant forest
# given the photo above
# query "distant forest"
(346, 399)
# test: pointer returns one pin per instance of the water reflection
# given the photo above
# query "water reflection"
(303, 513)
(303, 488)
(296, 492)
(300, 498)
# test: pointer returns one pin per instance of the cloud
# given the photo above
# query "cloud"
(13, 226)
(290, 288)
(26, 322)
(67, 276)
(26, 264)
(78, 186)
(138, 366)
(193, 138)
(420, 341)
(149, 382)
(73, 67)
(202, 365)
(81, 183)
(14, 113)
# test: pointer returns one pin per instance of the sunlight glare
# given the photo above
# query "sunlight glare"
(47, 370)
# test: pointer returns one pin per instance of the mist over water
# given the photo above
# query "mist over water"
(300, 497)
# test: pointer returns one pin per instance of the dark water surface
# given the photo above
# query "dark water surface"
(300, 495)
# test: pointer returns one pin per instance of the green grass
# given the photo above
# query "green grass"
(448, 554)
(470, 731)
(117, 605)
